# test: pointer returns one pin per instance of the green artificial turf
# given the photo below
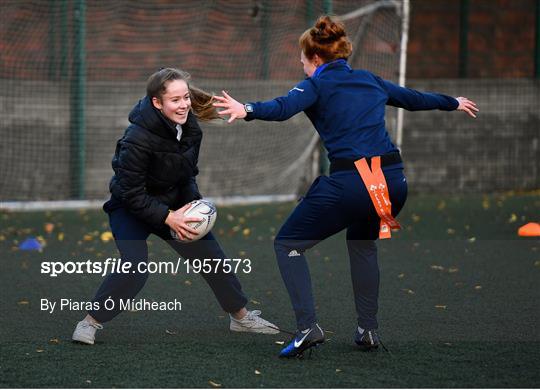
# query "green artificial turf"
(459, 305)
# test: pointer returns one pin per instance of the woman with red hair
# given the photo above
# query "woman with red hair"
(366, 188)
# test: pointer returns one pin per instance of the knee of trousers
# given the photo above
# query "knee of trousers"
(286, 248)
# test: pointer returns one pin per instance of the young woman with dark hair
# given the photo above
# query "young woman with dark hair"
(155, 164)
(366, 188)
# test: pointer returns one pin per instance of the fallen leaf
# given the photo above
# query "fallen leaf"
(255, 302)
(40, 350)
(485, 204)
(415, 218)
(279, 342)
(88, 381)
(338, 370)
(478, 287)
(472, 239)
(54, 341)
(437, 267)
(214, 384)
(450, 231)
(401, 276)
(171, 332)
(23, 302)
(440, 306)
(257, 372)
(537, 263)
(60, 236)
(408, 291)
(246, 232)
(187, 282)
(453, 270)
(513, 218)
(106, 236)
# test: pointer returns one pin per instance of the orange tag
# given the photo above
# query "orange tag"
(378, 191)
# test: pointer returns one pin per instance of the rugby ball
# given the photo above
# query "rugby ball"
(203, 209)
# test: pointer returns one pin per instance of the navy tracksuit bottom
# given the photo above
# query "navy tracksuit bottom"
(130, 235)
(333, 203)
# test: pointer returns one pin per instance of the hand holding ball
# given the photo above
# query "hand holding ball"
(194, 221)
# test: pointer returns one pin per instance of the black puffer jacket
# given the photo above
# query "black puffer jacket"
(153, 171)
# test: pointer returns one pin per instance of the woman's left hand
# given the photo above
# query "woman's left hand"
(467, 105)
(232, 107)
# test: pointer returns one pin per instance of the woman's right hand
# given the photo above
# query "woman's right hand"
(178, 222)
(233, 108)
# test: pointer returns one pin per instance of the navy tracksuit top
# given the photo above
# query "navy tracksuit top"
(347, 108)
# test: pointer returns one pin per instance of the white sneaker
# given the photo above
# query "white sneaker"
(85, 332)
(253, 323)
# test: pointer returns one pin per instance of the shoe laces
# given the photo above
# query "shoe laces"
(87, 324)
(254, 315)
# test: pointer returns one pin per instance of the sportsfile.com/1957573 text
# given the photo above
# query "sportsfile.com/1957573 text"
(114, 265)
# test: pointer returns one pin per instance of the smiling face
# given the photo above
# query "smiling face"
(175, 102)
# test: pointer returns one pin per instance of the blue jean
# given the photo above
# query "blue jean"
(334, 203)
(130, 236)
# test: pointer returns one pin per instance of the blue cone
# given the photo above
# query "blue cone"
(30, 244)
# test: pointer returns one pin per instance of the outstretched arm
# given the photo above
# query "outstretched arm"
(413, 100)
(282, 108)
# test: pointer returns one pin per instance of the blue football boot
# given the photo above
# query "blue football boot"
(302, 341)
(368, 340)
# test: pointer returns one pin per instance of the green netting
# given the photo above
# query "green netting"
(70, 71)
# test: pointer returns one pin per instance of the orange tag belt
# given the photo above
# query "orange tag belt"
(377, 188)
